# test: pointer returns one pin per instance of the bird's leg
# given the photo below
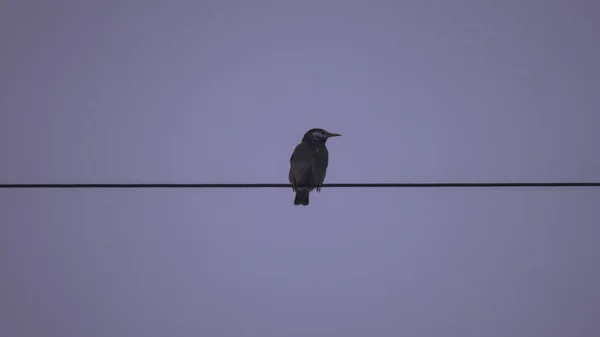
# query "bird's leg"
(319, 188)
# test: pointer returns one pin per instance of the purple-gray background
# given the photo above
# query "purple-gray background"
(218, 91)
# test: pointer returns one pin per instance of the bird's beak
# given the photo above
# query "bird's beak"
(334, 135)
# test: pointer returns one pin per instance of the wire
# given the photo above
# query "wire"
(267, 185)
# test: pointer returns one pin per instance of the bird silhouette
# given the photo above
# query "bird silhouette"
(308, 164)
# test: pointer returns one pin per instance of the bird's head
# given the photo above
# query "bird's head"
(318, 136)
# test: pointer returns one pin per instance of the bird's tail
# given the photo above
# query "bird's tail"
(301, 197)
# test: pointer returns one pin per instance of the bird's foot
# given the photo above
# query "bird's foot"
(318, 188)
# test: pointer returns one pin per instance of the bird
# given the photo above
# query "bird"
(308, 164)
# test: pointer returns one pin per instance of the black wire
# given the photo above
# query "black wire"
(266, 185)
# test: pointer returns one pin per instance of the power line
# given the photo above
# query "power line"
(269, 185)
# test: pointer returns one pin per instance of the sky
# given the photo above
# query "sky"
(222, 91)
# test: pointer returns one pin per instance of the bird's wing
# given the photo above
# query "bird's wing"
(308, 166)
(301, 163)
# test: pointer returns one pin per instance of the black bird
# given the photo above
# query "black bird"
(308, 164)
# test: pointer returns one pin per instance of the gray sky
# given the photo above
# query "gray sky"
(217, 91)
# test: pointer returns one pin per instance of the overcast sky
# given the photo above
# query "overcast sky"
(222, 91)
